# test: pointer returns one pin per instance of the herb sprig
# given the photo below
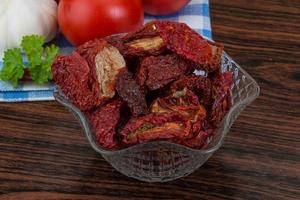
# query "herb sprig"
(40, 59)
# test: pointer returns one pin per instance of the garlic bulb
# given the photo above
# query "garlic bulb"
(26, 17)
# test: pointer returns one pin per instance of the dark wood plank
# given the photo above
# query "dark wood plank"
(44, 153)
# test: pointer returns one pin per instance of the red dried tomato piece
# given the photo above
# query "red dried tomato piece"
(104, 122)
(186, 104)
(200, 85)
(105, 62)
(221, 87)
(131, 93)
(145, 47)
(157, 71)
(147, 31)
(118, 42)
(139, 47)
(183, 102)
(73, 75)
(214, 63)
(155, 126)
(144, 42)
(183, 40)
(90, 49)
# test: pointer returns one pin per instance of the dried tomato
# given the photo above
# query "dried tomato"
(118, 42)
(198, 84)
(73, 75)
(184, 41)
(105, 62)
(157, 71)
(144, 42)
(147, 31)
(131, 93)
(186, 104)
(214, 63)
(145, 46)
(183, 102)
(104, 122)
(90, 49)
(155, 126)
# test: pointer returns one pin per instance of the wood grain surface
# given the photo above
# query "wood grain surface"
(45, 155)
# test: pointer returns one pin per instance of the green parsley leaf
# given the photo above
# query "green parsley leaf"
(40, 59)
(33, 47)
(51, 52)
(13, 68)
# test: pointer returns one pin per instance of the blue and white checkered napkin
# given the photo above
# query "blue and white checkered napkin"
(195, 14)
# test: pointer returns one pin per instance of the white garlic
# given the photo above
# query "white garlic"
(26, 17)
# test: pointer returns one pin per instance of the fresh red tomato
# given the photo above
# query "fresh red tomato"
(84, 20)
(163, 7)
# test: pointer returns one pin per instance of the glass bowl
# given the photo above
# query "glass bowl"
(162, 161)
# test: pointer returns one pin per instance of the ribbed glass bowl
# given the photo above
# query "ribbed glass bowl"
(163, 161)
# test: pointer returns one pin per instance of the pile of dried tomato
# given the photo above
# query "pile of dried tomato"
(141, 86)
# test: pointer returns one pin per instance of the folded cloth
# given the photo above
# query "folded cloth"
(195, 14)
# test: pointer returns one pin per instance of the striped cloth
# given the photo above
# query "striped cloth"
(195, 14)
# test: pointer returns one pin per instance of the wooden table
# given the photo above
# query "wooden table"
(45, 155)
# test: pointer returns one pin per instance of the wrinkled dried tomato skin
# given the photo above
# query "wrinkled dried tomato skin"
(214, 64)
(73, 75)
(148, 30)
(183, 102)
(104, 122)
(89, 51)
(105, 62)
(118, 42)
(183, 40)
(157, 71)
(200, 85)
(124, 43)
(131, 93)
(155, 126)
(186, 104)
